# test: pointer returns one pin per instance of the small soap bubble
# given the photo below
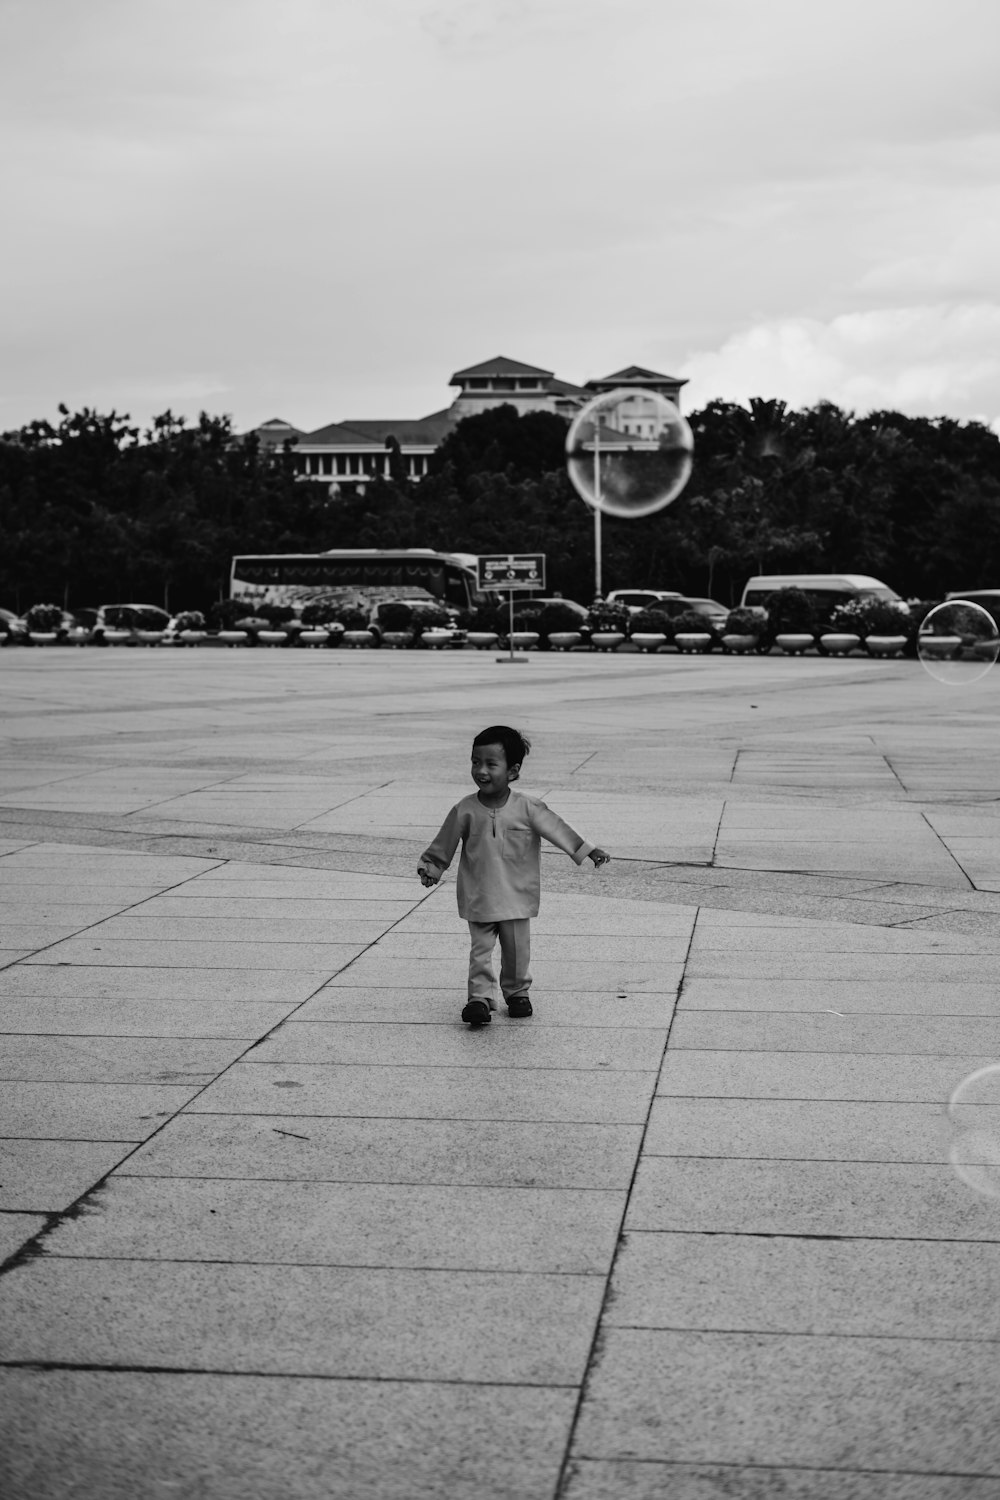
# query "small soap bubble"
(629, 453)
(958, 642)
(974, 1112)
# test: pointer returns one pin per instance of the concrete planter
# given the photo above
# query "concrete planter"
(357, 639)
(885, 645)
(739, 645)
(436, 639)
(939, 645)
(272, 637)
(150, 637)
(234, 637)
(839, 643)
(523, 640)
(42, 637)
(607, 640)
(397, 640)
(793, 644)
(482, 639)
(649, 640)
(314, 637)
(690, 641)
(118, 637)
(564, 640)
(192, 637)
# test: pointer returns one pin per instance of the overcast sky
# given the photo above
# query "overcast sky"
(320, 209)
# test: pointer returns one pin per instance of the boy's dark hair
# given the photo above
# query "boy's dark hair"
(515, 744)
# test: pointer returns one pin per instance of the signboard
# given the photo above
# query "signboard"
(513, 570)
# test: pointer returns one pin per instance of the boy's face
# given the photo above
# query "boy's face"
(490, 771)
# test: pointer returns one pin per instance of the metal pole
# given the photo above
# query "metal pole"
(597, 513)
(510, 633)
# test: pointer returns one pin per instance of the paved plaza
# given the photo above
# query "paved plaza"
(279, 1227)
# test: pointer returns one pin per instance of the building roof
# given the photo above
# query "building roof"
(407, 430)
(337, 435)
(276, 430)
(636, 375)
(500, 365)
(564, 388)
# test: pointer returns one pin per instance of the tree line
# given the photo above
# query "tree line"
(92, 509)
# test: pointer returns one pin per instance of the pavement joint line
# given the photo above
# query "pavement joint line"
(597, 1337)
(45, 1366)
(739, 1465)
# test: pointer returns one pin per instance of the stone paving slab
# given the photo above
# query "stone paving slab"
(96, 950)
(109, 1059)
(776, 1399)
(510, 1045)
(114, 1016)
(437, 1152)
(48, 1176)
(135, 927)
(904, 1079)
(165, 981)
(824, 1031)
(410, 1091)
(138, 1436)
(17, 1228)
(549, 974)
(565, 1008)
(355, 1323)
(937, 997)
(798, 1129)
(869, 1287)
(320, 1223)
(620, 1479)
(88, 1111)
(839, 1199)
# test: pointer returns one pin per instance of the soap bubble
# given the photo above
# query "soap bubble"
(958, 642)
(640, 446)
(974, 1111)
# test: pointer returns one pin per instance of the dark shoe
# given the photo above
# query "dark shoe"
(477, 1013)
(519, 1005)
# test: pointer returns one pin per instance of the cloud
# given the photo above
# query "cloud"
(925, 360)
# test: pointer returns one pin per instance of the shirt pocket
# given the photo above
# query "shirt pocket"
(519, 845)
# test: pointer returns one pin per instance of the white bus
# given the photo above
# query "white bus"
(355, 575)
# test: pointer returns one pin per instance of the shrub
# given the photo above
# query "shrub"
(790, 611)
(225, 612)
(648, 622)
(275, 614)
(353, 616)
(865, 617)
(190, 619)
(605, 616)
(746, 622)
(320, 612)
(44, 617)
(692, 623)
(527, 619)
(556, 617)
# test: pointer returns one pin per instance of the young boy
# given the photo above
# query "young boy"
(499, 871)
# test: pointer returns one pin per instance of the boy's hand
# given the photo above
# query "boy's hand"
(599, 858)
(428, 877)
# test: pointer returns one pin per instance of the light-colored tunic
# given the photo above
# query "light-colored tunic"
(499, 873)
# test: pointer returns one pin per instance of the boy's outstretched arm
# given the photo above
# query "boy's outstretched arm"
(599, 858)
(438, 855)
(558, 832)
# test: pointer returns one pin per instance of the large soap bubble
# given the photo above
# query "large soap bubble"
(629, 452)
(958, 642)
(974, 1111)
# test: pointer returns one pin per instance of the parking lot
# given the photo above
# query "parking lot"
(279, 1226)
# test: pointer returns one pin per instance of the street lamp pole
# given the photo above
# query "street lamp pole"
(597, 512)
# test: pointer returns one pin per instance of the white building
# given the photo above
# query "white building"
(349, 453)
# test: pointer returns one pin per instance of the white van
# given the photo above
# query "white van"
(826, 589)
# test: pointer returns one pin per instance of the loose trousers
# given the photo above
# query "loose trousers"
(515, 959)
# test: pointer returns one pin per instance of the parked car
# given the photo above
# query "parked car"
(826, 590)
(988, 599)
(12, 628)
(682, 604)
(637, 599)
